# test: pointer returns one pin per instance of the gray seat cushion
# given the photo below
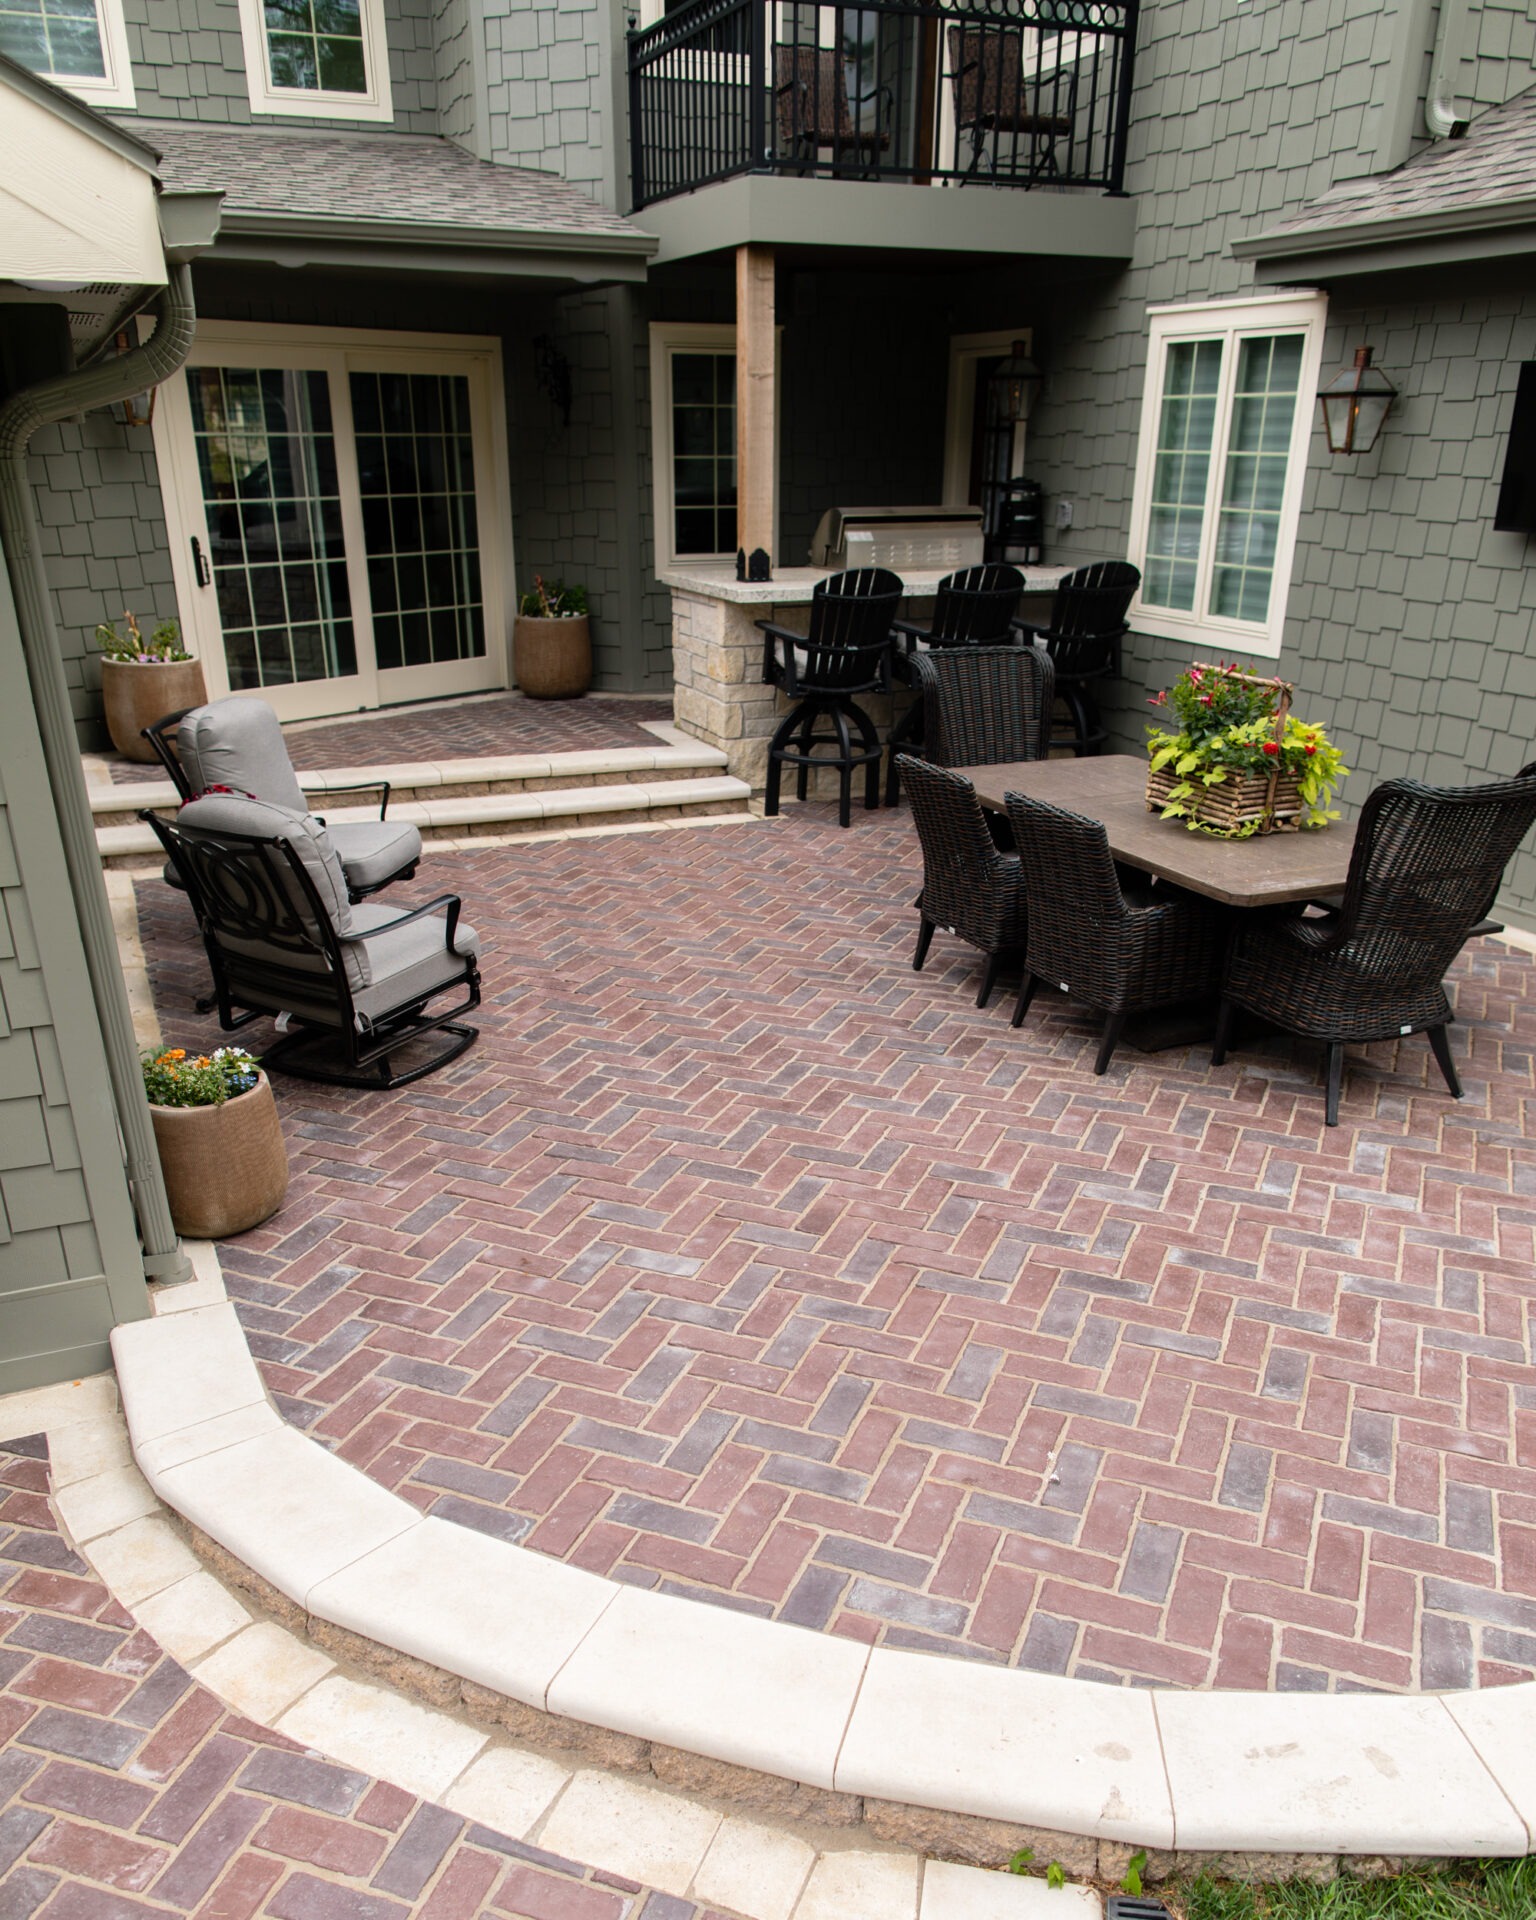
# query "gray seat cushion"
(403, 964)
(373, 851)
(238, 743)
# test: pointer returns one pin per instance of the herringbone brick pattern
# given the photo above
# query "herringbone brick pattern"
(461, 730)
(741, 1261)
(129, 1793)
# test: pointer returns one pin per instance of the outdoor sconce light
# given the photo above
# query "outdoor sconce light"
(1012, 388)
(1355, 405)
(552, 375)
(138, 409)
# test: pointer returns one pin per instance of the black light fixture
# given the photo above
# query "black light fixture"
(1011, 389)
(1355, 405)
(552, 375)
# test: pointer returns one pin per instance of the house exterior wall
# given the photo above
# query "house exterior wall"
(69, 1258)
(1409, 620)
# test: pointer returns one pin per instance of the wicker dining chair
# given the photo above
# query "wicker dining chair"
(972, 608)
(1117, 947)
(1424, 871)
(846, 651)
(970, 889)
(984, 706)
(1083, 638)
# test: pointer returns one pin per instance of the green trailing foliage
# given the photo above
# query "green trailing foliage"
(552, 600)
(175, 1078)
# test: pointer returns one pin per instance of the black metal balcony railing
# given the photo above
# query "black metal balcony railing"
(1015, 93)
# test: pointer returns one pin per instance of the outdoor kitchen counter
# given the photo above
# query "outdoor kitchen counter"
(717, 651)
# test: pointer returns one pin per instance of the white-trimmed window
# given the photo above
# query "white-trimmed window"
(77, 44)
(316, 59)
(693, 414)
(1225, 422)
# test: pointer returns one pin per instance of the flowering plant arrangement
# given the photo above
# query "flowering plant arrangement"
(1233, 726)
(552, 600)
(176, 1078)
(163, 644)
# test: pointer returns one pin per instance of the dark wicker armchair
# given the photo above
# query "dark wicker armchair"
(972, 608)
(1083, 639)
(969, 888)
(1425, 869)
(985, 705)
(846, 651)
(1121, 949)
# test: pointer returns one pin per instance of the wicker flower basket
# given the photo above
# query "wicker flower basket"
(225, 1167)
(1236, 802)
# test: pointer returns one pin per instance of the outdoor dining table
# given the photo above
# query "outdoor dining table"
(1268, 870)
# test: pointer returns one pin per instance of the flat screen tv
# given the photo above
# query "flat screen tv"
(1516, 511)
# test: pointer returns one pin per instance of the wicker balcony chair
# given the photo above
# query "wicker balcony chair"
(1109, 941)
(1083, 639)
(283, 939)
(1425, 869)
(238, 743)
(970, 889)
(812, 112)
(846, 652)
(972, 608)
(995, 96)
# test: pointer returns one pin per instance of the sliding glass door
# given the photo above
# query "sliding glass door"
(328, 501)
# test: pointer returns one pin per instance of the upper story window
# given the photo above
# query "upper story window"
(317, 59)
(78, 44)
(1225, 421)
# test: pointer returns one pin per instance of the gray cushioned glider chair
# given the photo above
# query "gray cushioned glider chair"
(284, 939)
(238, 743)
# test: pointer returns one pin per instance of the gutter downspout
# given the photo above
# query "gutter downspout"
(20, 417)
(1440, 115)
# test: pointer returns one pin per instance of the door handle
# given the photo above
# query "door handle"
(200, 567)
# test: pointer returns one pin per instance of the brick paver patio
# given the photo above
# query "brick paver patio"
(742, 1261)
(460, 730)
(129, 1793)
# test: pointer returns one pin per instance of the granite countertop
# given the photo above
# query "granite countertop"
(793, 586)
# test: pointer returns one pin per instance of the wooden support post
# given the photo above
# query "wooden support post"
(756, 451)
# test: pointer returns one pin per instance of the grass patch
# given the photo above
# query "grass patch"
(1468, 1890)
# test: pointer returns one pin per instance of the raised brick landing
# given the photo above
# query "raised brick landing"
(127, 1792)
(740, 1260)
(499, 723)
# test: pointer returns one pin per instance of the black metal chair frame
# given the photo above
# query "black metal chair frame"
(970, 889)
(1374, 969)
(258, 906)
(1083, 639)
(1101, 949)
(847, 652)
(992, 96)
(972, 608)
(158, 733)
(812, 111)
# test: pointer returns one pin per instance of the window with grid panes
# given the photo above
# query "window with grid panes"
(316, 58)
(703, 452)
(78, 44)
(1225, 424)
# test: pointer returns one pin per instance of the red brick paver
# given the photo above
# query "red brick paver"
(129, 1793)
(500, 723)
(741, 1261)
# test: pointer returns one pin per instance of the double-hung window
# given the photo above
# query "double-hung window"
(317, 59)
(78, 44)
(1225, 422)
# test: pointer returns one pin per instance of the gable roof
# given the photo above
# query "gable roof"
(1457, 200)
(379, 198)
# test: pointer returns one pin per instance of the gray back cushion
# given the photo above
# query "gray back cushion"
(238, 743)
(232, 813)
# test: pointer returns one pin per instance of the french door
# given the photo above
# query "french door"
(338, 515)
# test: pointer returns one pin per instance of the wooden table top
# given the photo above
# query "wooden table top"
(1269, 870)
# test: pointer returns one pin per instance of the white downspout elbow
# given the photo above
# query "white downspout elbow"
(1440, 116)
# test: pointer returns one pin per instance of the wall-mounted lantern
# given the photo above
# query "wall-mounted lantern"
(1355, 405)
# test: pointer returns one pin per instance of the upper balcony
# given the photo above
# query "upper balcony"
(907, 93)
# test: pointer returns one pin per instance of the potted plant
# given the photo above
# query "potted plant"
(1239, 762)
(552, 641)
(144, 679)
(221, 1147)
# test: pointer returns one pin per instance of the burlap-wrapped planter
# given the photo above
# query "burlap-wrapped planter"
(136, 693)
(226, 1168)
(552, 659)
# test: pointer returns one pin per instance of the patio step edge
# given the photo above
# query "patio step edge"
(480, 814)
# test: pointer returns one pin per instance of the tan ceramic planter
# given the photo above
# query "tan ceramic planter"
(137, 693)
(226, 1168)
(552, 659)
